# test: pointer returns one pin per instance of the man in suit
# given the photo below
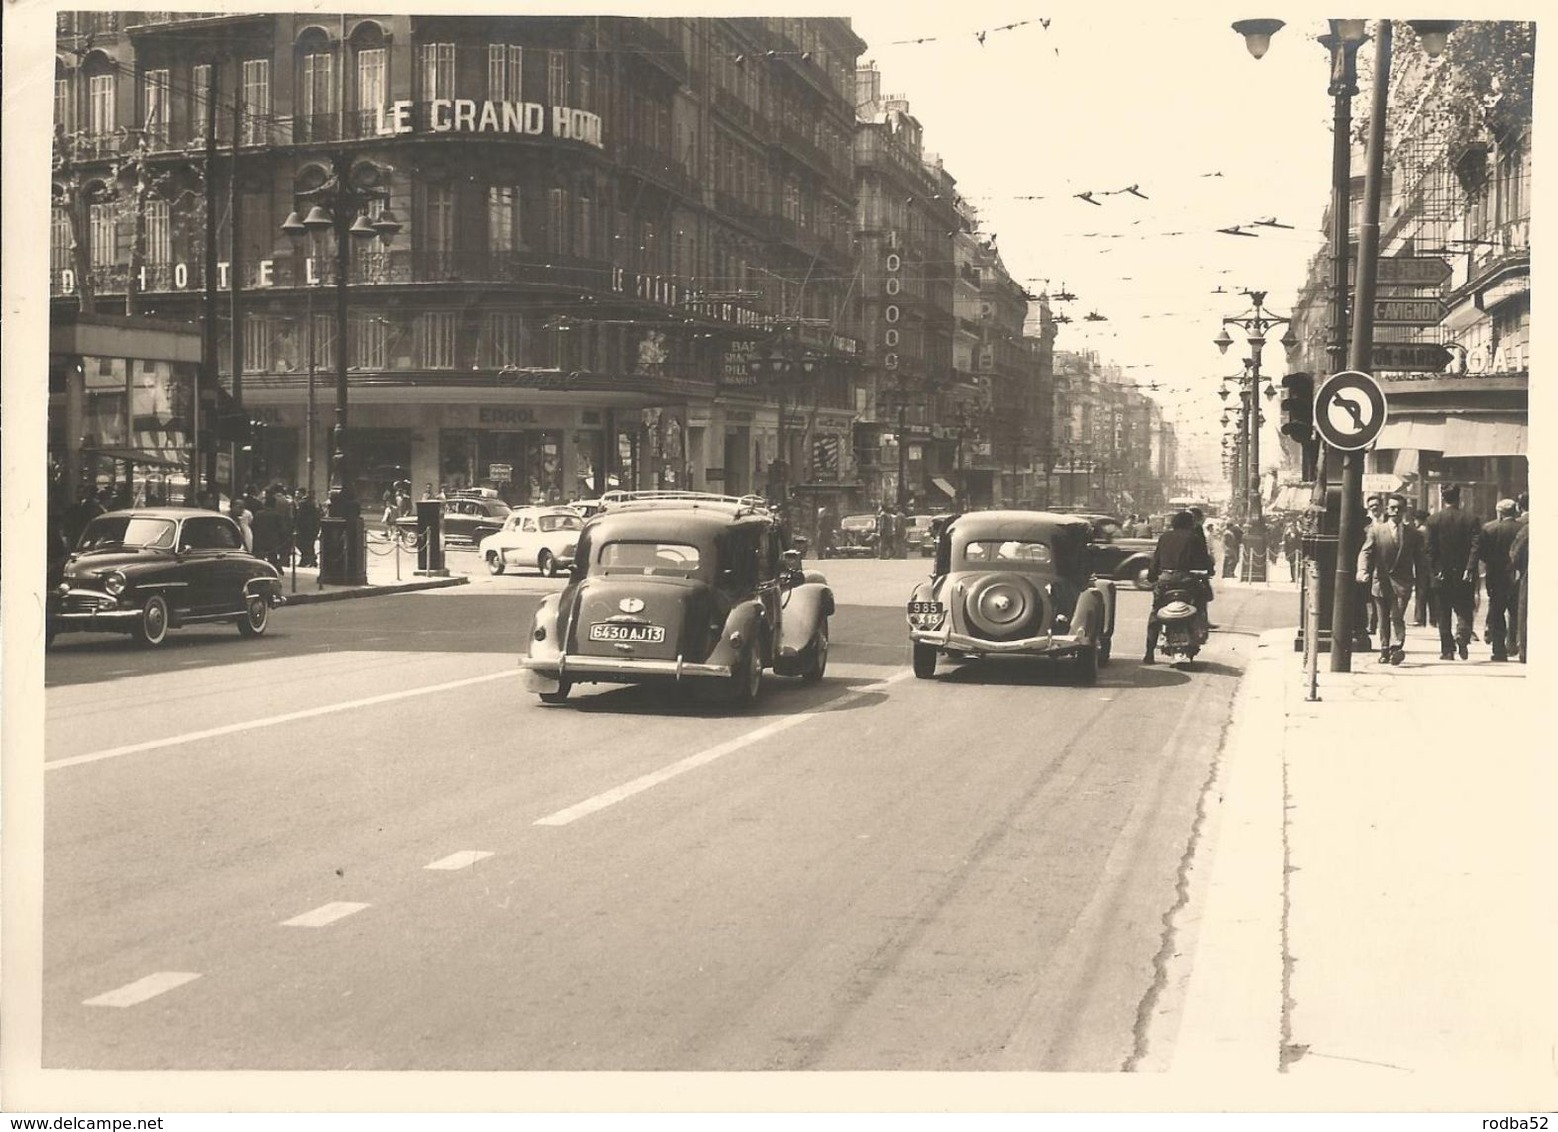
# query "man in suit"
(1392, 559)
(1451, 535)
(1492, 549)
(1374, 511)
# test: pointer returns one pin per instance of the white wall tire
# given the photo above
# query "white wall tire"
(152, 629)
(546, 562)
(495, 563)
(256, 616)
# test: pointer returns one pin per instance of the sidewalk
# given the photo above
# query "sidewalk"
(1379, 918)
(385, 575)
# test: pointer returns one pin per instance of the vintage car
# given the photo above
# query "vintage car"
(855, 537)
(148, 570)
(1113, 554)
(920, 537)
(466, 518)
(682, 589)
(543, 537)
(1012, 584)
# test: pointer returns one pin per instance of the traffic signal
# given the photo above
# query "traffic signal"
(1298, 407)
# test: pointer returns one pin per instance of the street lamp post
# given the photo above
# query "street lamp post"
(786, 358)
(1345, 37)
(1255, 325)
(338, 206)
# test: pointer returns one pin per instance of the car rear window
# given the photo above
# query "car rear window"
(561, 523)
(649, 557)
(1008, 550)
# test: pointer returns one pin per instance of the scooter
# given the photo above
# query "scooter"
(1181, 617)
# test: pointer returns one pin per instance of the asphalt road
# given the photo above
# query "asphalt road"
(355, 843)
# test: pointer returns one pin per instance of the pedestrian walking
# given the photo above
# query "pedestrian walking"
(1392, 562)
(1374, 508)
(307, 518)
(1491, 550)
(271, 532)
(1232, 537)
(240, 514)
(1291, 542)
(1519, 563)
(1452, 532)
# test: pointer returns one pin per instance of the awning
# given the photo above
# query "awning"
(1424, 435)
(136, 456)
(1407, 462)
(1292, 497)
(945, 486)
(1484, 438)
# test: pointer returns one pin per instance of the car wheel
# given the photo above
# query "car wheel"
(1105, 647)
(256, 616)
(152, 629)
(1087, 665)
(547, 564)
(495, 563)
(819, 656)
(747, 679)
(560, 696)
(924, 660)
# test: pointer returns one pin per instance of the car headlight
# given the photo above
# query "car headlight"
(114, 582)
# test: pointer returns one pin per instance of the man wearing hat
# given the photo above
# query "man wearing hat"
(1451, 534)
(1492, 550)
(1392, 559)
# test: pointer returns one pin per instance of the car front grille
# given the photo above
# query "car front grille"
(87, 603)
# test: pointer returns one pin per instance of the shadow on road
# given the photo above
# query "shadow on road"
(668, 701)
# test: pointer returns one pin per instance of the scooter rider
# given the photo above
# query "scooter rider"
(1180, 549)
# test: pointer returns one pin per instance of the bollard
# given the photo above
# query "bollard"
(1312, 629)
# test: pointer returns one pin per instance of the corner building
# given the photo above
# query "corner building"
(603, 221)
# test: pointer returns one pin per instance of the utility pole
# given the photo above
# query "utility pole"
(235, 281)
(1350, 537)
(209, 380)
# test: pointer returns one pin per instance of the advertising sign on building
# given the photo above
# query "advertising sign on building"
(500, 473)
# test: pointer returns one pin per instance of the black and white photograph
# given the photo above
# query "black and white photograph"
(895, 558)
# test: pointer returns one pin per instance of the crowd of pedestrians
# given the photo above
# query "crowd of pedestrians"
(1432, 565)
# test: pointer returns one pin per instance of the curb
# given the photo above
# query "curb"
(1235, 1008)
(342, 594)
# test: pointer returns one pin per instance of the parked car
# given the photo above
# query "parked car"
(920, 537)
(693, 591)
(1012, 584)
(147, 570)
(855, 537)
(543, 537)
(1114, 554)
(466, 519)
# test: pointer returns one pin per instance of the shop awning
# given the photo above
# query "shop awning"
(136, 456)
(1484, 438)
(945, 486)
(1292, 497)
(1424, 435)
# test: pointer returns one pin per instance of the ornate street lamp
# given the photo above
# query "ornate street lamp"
(1343, 41)
(786, 358)
(338, 205)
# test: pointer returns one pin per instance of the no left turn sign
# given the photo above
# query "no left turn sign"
(1349, 410)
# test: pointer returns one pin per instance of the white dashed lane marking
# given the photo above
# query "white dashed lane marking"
(324, 914)
(464, 859)
(142, 989)
(703, 758)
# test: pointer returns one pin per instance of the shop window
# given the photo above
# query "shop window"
(155, 88)
(436, 331)
(256, 101)
(505, 72)
(436, 67)
(100, 105)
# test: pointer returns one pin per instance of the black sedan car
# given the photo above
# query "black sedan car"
(148, 570)
(681, 588)
(466, 519)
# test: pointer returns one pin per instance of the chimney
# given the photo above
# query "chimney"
(868, 90)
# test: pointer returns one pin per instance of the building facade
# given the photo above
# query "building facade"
(1458, 201)
(607, 232)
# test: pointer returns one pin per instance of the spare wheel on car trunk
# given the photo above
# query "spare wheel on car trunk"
(1006, 606)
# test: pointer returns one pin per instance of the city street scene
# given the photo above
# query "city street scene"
(929, 542)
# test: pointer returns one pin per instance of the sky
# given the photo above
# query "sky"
(1098, 101)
